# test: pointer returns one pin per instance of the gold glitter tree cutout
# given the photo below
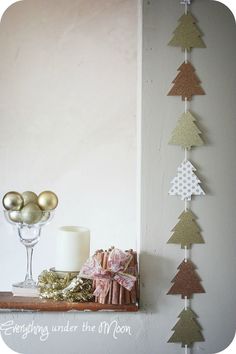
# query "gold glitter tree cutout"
(187, 35)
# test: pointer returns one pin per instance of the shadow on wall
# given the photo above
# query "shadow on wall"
(154, 280)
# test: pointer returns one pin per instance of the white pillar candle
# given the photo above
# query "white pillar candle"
(72, 248)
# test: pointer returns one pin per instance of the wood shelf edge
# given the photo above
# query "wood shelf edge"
(10, 302)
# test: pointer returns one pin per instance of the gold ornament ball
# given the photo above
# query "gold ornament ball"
(15, 216)
(13, 201)
(47, 200)
(45, 216)
(31, 213)
(29, 197)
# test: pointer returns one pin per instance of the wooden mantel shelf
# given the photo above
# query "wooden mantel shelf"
(10, 302)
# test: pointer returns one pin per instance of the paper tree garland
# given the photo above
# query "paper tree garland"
(186, 232)
(186, 183)
(187, 35)
(187, 330)
(186, 83)
(186, 282)
(186, 133)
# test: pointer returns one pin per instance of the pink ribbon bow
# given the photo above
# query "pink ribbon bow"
(117, 263)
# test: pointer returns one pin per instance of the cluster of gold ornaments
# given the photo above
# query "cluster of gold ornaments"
(29, 208)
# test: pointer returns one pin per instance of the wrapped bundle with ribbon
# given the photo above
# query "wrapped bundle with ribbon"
(114, 275)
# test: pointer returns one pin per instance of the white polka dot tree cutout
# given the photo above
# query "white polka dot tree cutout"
(186, 183)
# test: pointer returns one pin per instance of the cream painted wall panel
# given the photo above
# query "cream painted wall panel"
(68, 77)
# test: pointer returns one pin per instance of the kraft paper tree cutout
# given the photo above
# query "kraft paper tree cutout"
(186, 282)
(187, 35)
(186, 231)
(186, 183)
(187, 330)
(186, 133)
(186, 83)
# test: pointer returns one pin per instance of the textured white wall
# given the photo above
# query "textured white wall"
(151, 327)
(68, 77)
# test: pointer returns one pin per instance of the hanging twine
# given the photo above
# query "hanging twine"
(185, 3)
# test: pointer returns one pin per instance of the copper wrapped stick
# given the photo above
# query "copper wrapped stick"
(103, 298)
(99, 255)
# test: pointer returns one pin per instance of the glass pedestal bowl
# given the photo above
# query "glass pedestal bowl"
(29, 236)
